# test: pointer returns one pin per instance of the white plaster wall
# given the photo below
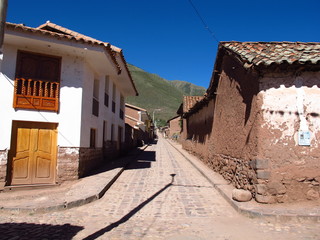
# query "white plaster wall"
(68, 117)
(105, 113)
(280, 106)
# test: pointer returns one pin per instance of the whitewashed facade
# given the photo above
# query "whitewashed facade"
(88, 70)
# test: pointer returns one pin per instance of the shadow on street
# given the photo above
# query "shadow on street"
(130, 214)
(37, 231)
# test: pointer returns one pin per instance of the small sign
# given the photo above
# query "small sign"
(304, 138)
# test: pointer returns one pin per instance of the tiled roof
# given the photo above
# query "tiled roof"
(49, 26)
(52, 27)
(54, 30)
(62, 35)
(190, 101)
(267, 53)
(260, 54)
(135, 107)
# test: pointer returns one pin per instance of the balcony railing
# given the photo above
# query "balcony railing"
(36, 94)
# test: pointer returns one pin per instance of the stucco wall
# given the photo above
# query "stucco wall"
(199, 127)
(293, 171)
(70, 96)
(105, 113)
(75, 109)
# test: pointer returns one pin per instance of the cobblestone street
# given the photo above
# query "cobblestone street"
(159, 196)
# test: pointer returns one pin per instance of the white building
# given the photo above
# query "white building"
(61, 104)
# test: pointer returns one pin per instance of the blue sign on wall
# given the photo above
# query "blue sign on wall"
(304, 138)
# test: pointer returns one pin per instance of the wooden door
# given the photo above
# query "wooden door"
(34, 153)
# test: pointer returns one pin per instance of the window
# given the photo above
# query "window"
(95, 99)
(121, 114)
(113, 98)
(37, 81)
(106, 91)
(92, 138)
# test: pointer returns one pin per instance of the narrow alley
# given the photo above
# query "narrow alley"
(159, 196)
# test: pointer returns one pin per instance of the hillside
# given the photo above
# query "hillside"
(156, 92)
(188, 88)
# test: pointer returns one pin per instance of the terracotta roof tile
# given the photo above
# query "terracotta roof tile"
(114, 50)
(190, 101)
(267, 53)
(54, 30)
(135, 107)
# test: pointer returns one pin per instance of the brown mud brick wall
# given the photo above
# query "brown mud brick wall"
(199, 128)
(234, 140)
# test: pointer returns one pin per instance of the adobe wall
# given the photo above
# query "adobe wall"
(291, 172)
(199, 127)
(234, 141)
(175, 127)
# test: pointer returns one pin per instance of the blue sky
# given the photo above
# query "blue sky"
(167, 37)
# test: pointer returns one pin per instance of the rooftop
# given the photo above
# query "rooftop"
(267, 53)
(190, 101)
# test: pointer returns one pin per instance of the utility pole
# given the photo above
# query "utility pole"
(155, 124)
(3, 16)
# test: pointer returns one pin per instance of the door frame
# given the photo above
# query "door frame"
(13, 144)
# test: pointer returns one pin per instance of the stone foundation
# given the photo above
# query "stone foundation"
(276, 187)
(89, 159)
(236, 171)
(110, 151)
(67, 163)
(72, 162)
(3, 167)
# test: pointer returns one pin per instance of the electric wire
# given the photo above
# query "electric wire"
(203, 22)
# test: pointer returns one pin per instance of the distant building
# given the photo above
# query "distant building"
(258, 125)
(175, 127)
(139, 129)
(62, 104)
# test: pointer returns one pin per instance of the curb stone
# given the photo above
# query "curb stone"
(78, 201)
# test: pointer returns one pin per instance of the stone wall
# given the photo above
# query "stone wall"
(3, 167)
(89, 160)
(237, 171)
(110, 151)
(67, 164)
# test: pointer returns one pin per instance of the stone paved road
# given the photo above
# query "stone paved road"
(161, 196)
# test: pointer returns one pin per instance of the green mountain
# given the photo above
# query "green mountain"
(187, 88)
(156, 92)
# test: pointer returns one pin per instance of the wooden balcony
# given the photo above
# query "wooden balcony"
(36, 94)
